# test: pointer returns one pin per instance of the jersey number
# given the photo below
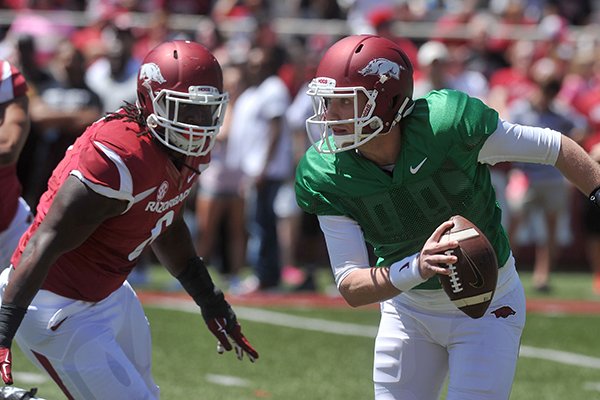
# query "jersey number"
(162, 223)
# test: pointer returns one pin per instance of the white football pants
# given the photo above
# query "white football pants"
(423, 338)
(9, 238)
(93, 351)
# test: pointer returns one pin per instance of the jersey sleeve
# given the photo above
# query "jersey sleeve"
(310, 181)
(103, 169)
(462, 123)
(476, 121)
(12, 84)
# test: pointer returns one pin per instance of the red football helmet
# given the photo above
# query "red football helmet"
(180, 92)
(368, 64)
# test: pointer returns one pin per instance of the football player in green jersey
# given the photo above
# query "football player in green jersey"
(390, 170)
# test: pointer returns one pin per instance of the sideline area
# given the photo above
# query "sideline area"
(318, 300)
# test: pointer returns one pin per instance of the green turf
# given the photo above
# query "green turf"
(300, 364)
(564, 285)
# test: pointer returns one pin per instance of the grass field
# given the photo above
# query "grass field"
(302, 362)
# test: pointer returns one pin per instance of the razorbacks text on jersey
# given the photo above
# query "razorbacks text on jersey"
(114, 159)
(12, 85)
(434, 178)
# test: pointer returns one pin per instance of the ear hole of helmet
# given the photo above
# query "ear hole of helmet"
(395, 103)
(142, 100)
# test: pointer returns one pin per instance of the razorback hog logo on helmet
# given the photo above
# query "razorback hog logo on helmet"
(150, 72)
(382, 67)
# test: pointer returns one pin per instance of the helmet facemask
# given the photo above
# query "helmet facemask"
(188, 122)
(319, 128)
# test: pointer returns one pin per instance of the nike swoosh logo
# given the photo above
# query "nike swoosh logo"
(414, 170)
(478, 277)
(141, 196)
(189, 179)
(403, 267)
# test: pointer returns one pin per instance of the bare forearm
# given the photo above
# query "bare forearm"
(174, 248)
(372, 285)
(577, 166)
(29, 275)
(14, 128)
(367, 286)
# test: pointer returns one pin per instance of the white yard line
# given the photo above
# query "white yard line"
(349, 329)
(592, 386)
(227, 380)
(562, 357)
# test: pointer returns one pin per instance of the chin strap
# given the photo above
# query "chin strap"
(196, 170)
(405, 109)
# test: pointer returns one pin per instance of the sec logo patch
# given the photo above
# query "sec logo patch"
(162, 190)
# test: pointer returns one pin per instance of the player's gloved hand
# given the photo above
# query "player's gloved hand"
(6, 365)
(10, 318)
(222, 322)
(217, 313)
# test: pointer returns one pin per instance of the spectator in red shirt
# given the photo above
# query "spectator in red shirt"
(513, 82)
(382, 20)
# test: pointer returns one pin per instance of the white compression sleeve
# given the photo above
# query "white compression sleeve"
(345, 245)
(512, 142)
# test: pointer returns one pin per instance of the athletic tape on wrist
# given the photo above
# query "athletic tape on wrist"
(404, 274)
(10, 319)
(196, 281)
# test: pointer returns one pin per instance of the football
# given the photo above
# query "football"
(472, 281)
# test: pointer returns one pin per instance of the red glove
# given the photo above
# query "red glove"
(10, 318)
(224, 328)
(6, 365)
(216, 311)
(222, 322)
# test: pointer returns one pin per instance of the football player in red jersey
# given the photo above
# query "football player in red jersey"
(15, 215)
(119, 189)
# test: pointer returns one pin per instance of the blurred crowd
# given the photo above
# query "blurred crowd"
(537, 62)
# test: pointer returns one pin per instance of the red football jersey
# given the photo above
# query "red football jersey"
(113, 159)
(12, 85)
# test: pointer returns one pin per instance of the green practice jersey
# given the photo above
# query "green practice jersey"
(436, 175)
